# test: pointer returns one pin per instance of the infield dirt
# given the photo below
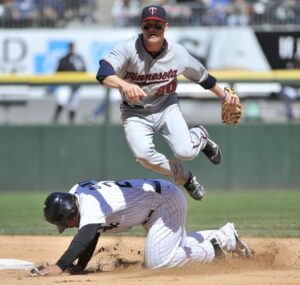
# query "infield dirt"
(119, 260)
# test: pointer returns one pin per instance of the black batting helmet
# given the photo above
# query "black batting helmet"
(59, 208)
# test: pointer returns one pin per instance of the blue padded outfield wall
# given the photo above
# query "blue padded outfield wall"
(50, 158)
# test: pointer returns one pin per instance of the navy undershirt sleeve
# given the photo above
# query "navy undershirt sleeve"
(209, 82)
(104, 70)
(82, 247)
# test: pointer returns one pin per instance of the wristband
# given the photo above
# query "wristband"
(223, 98)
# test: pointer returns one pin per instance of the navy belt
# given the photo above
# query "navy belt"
(157, 187)
(132, 106)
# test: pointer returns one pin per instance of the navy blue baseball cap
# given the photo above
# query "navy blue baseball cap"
(154, 12)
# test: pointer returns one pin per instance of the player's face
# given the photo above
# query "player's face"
(153, 31)
(73, 223)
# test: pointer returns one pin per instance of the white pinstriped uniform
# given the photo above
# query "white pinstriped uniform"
(159, 112)
(158, 205)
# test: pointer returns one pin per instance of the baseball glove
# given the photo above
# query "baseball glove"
(231, 108)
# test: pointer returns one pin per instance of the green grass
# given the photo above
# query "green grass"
(264, 214)
(22, 213)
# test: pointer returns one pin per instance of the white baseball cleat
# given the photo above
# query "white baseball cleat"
(241, 248)
(226, 240)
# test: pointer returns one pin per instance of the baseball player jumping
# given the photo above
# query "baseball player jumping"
(98, 207)
(145, 70)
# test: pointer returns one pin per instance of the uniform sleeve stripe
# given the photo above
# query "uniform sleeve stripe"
(209, 82)
(104, 70)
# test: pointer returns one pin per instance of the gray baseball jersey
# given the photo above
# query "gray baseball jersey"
(159, 206)
(156, 76)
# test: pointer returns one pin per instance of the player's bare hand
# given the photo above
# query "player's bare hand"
(133, 93)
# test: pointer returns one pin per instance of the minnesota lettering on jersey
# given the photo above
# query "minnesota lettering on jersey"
(150, 78)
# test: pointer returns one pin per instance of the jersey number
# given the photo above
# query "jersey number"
(94, 185)
(169, 88)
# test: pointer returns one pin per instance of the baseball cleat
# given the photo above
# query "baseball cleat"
(211, 150)
(193, 187)
(241, 249)
(219, 251)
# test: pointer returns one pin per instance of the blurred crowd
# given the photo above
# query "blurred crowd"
(213, 12)
(58, 13)
(41, 13)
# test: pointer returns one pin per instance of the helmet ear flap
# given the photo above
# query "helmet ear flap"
(59, 208)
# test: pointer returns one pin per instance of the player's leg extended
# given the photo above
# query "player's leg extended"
(139, 135)
(166, 244)
(225, 240)
(184, 143)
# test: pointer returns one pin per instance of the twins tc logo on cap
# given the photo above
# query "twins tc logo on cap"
(156, 13)
(152, 10)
